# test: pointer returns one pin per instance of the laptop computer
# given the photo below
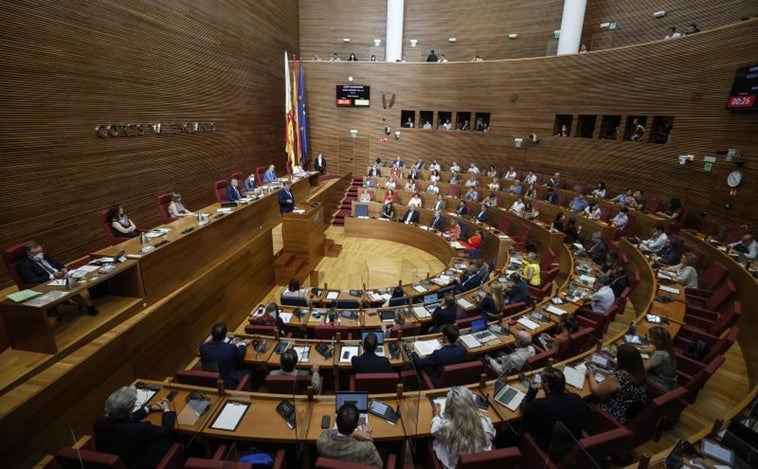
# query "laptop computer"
(509, 396)
(714, 450)
(480, 332)
(431, 302)
(387, 315)
(359, 399)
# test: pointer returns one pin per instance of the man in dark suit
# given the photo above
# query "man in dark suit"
(446, 313)
(411, 216)
(370, 362)
(541, 415)
(217, 355)
(438, 222)
(286, 198)
(449, 354)
(120, 432)
(232, 191)
(483, 216)
(519, 292)
(320, 164)
(374, 171)
(40, 267)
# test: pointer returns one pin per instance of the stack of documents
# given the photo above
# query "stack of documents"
(675, 291)
(470, 341)
(421, 312)
(528, 323)
(464, 303)
(426, 347)
(575, 375)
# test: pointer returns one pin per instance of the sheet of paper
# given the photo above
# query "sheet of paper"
(440, 401)
(426, 347)
(419, 288)
(575, 375)
(58, 282)
(456, 245)
(143, 395)
(675, 291)
(303, 352)
(464, 303)
(470, 341)
(421, 312)
(528, 323)
(286, 317)
(347, 352)
(230, 415)
(555, 310)
(332, 295)
(23, 295)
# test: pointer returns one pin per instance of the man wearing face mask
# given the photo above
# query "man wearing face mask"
(40, 267)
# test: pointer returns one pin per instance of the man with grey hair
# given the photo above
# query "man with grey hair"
(603, 297)
(120, 432)
(513, 362)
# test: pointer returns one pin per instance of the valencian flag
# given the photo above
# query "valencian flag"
(289, 129)
(302, 116)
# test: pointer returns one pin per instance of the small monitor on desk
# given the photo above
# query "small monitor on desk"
(379, 336)
(430, 298)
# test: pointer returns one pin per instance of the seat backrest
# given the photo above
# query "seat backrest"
(206, 379)
(219, 190)
(721, 346)
(547, 260)
(539, 359)
(580, 187)
(726, 319)
(70, 458)
(464, 230)
(238, 176)
(453, 190)
(509, 456)
(651, 205)
(361, 210)
(460, 374)
(328, 463)
(699, 380)
(505, 224)
(327, 332)
(523, 233)
(114, 238)
(261, 329)
(201, 463)
(713, 276)
(13, 256)
(721, 296)
(408, 331)
(161, 202)
(375, 382)
(287, 384)
(259, 174)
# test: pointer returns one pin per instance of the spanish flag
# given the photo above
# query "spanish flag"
(289, 129)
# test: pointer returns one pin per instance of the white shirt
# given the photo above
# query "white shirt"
(415, 202)
(433, 189)
(655, 244)
(510, 175)
(471, 183)
(474, 170)
(518, 207)
(602, 299)
(752, 248)
(530, 179)
(389, 185)
(455, 168)
(434, 166)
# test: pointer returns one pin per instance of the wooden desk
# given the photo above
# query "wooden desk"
(28, 327)
(187, 421)
(382, 430)
(187, 254)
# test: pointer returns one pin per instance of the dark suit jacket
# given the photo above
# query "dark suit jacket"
(439, 224)
(31, 271)
(483, 217)
(138, 444)
(231, 194)
(519, 292)
(414, 217)
(540, 416)
(449, 354)
(320, 165)
(222, 357)
(442, 316)
(285, 206)
(598, 252)
(374, 172)
(370, 362)
(462, 210)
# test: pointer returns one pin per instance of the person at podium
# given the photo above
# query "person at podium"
(286, 198)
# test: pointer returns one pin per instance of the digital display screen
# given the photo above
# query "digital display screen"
(353, 96)
(744, 89)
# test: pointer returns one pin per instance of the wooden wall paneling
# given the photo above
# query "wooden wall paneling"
(153, 344)
(523, 96)
(71, 68)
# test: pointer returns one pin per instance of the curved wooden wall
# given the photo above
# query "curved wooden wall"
(482, 26)
(68, 68)
(523, 97)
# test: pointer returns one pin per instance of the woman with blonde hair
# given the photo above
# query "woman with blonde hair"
(463, 429)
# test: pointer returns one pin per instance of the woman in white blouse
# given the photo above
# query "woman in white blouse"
(415, 201)
(462, 430)
(175, 207)
(518, 207)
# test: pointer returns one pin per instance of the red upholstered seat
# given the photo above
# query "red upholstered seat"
(455, 375)
(327, 463)
(287, 384)
(501, 458)
(224, 458)
(13, 256)
(259, 174)
(377, 383)
(208, 379)
(114, 237)
(219, 190)
(86, 456)
(162, 202)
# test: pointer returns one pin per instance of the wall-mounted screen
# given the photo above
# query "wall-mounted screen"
(744, 89)
(353, 96)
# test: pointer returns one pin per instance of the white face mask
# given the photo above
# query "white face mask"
(39, 256)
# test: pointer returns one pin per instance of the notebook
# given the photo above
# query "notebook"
(359, 399)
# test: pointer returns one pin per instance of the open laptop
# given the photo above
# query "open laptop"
(430, 302)
(509, 396)
(379, 340)
(480, 331)
(714, 450)
(360, 399)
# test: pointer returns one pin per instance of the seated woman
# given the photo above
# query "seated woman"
(593, 211)
(621, 387)
(518, 206)
(388, 211)
(492, 171)
(490, 304)
(530, 213)
(661, 367)
(561, 335)
(455, 230)
(411, 186)
(511, 173)
(390, 184)
(558, 222)
(121, 223)
(599, 191)
(474, 241)
(530, 270)
(175, 207)
(434, 176)
(531, 192)
(389, 196)
(463, 430)
(685, 272)
(365, 196)
(415, 201)
(571, 232)
(490, 200)
(270, 317)
(494, 185)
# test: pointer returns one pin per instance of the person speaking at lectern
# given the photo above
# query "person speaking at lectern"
(286, 199)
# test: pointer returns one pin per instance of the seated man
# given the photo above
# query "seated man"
(217, 355)
(515, 188)
(120, 432)
(746, 246)
(621, 219)
(288, 360)
(554, 181)
(446, 313)
(370, 362)
(657, 241)
(250, 183)
(439, 204)
(40, 267)
(578, 203)
(541, 415)
(603, 297)
(438, 221)
(471, 195)
(232, 191)
(269, 175)
(484, 215)
(411, 215)
(348, 443)
(470, 278)
(449, 354)
(514, 361)
(598, 249)
(374, 171)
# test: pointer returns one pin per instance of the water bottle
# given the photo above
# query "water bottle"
(143, 239)
(633, 328)
(70, 282)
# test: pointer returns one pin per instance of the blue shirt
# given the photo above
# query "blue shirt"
(578, 205)
(269, 176)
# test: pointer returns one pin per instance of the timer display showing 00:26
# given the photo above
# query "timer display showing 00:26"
(741, 101)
